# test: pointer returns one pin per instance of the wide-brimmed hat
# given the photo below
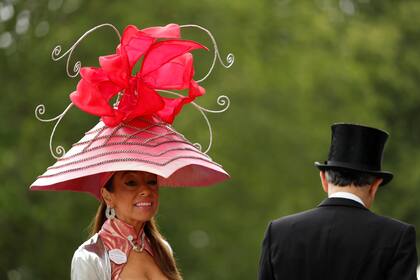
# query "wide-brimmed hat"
(136, 133)
(357, 148)
(141, 145)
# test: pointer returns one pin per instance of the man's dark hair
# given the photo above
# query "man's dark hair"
(348, 177)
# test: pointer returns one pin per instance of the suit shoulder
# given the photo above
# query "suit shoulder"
(318, 215)
(392, 222)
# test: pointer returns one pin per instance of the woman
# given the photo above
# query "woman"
(136, 248)
(132, 151)
(122, 167)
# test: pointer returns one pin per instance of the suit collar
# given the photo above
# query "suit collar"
(337, 201)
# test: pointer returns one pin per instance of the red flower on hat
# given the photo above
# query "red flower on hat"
(167, 65)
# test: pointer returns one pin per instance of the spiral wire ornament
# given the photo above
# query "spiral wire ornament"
(55, 55)
(230, 58)
(39, 111)
(222, 100)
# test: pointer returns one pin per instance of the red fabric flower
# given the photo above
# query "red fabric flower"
(167, 65)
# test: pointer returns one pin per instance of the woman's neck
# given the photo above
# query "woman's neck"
(137, 225)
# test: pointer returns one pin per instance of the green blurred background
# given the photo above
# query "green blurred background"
(300, 66)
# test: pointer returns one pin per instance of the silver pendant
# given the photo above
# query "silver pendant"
(134, 245)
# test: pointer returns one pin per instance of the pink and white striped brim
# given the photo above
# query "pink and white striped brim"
(141, 145)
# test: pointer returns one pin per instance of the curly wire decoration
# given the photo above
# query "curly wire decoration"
(230, 58)
(55, 55)
(39, 111)
(222, 100)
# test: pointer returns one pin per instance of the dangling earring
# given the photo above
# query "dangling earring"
(110, 213)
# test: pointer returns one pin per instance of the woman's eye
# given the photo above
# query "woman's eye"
(152, 182)
(131, 183)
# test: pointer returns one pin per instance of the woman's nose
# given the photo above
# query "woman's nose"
(145, 190)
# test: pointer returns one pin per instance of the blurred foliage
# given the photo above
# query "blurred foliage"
(300, 66)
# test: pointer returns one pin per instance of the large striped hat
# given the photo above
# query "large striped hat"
(135, 133)
(141, 145)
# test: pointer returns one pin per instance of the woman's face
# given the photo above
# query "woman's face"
(135, 196)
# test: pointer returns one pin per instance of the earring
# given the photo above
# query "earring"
(110, 213)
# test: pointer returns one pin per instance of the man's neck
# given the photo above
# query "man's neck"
(359, 192)
(347, 195)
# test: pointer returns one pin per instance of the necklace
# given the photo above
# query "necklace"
(136, 246)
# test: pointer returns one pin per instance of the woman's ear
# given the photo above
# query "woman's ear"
(107, 197)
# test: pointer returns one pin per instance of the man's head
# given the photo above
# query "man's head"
(362, 184)
(356, 153)
(344, 178)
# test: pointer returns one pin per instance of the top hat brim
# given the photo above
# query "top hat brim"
(385, 175)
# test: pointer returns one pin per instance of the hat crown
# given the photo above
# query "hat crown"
(357, 145)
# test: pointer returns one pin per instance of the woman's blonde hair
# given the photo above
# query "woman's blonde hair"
(161, 252)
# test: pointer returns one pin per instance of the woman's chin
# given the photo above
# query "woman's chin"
(143, 216)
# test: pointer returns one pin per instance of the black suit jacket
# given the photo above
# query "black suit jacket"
(338, 240)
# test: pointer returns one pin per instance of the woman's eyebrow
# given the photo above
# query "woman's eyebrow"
(125, 173)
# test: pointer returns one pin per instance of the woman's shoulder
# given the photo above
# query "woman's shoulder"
(90, 260)
(92, 246)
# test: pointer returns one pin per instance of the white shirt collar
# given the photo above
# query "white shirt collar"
(347, 195)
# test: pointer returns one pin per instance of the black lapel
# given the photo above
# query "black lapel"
(338, 201)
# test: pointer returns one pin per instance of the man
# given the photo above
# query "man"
(341, 239)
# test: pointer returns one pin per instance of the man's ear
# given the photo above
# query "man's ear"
(374, 187)
(324, 181)
(107, 197)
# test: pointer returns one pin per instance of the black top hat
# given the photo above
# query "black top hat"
(358, 148)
